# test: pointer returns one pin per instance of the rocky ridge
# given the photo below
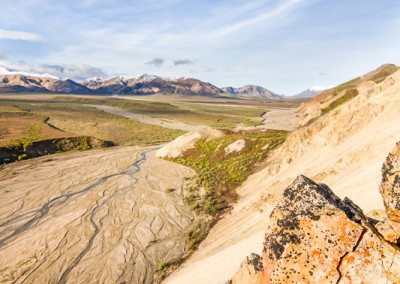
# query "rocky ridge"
(331, 98)
(315, 237)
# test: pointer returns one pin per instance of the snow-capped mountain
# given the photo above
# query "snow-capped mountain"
(150, 84)
(14, 81)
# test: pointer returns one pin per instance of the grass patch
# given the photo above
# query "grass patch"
(83, 120)
(352, 84)
(197, 234)
(350, 87)
(162, 266)
(385, 71)
(350, 93)
(192, 113)
(34, 132)
(218, 173)
(21, 151)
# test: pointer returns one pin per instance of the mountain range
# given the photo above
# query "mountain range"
(251, 91)
(29, 82)
(17, 82)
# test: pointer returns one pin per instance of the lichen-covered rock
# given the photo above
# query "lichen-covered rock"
(390, 186)
(250, 271)
(311, 230)
(372, 261)
(315, 237)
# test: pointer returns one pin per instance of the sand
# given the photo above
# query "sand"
(99, 216)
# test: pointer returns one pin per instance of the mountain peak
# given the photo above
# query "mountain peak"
(251, 91)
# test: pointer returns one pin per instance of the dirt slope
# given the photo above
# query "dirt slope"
(107, 213)
(345, 149)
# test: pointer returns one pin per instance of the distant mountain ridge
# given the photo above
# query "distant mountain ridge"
(16, 82)
(251, 91)
(307, 94)
(150, 84)
(11, 81)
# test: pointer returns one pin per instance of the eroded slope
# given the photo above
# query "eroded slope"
(344, 148)
(316, 237)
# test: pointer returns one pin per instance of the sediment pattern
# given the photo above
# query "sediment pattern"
(93, 217)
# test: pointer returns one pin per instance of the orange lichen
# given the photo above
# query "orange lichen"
(350, 259)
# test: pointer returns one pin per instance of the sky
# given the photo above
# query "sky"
(286, 46)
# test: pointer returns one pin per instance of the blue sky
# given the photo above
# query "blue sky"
(283, 45)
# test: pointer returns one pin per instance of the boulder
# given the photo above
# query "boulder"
(315, 237)
(235, 146)
(390, 186)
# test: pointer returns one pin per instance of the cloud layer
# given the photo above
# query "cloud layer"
(74, 72)
(17, 35)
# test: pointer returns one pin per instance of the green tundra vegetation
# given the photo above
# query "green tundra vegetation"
(218, 173)
(33, 129)
(214, 115)
(350, 87)
(83, 120)
(350, 93)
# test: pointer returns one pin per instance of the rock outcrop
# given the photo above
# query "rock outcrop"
(390, 187)
(315, 237)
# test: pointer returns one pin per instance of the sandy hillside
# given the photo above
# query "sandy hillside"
(345, 149)
(108, 213)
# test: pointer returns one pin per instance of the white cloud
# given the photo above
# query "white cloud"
(72, 71)
(278, 11)
(17, 35)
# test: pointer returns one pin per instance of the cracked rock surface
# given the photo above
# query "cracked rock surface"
(315, 237)
(101, 216)
(390, 186)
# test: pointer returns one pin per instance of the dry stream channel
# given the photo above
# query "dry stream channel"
(101, 216)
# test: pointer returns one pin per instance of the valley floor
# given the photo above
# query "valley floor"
(165, 123)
